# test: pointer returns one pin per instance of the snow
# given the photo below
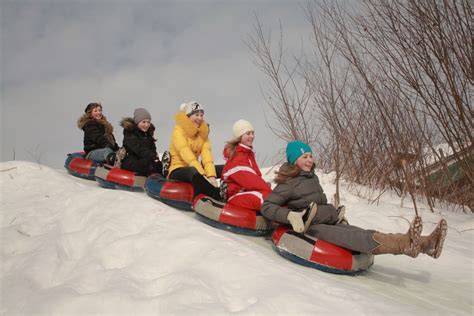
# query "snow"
(70, 247)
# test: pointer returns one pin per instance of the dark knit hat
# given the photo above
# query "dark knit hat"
(140, 114)
(91, 106)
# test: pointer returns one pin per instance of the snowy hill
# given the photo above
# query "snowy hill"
(70, 247)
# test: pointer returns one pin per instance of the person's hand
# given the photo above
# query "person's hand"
(296, 220)
(213, 181)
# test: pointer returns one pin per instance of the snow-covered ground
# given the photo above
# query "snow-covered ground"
(70, 247)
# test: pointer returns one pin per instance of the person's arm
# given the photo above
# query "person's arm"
(207, 160)
(273, 209)
(245, 176)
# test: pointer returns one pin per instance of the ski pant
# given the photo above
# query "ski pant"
(324, 226)
(347, 236)
(99, 155)
(199, 182)
(250, 199)
(144, 167)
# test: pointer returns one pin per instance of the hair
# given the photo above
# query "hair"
(92, 106)
(288, 172)
(231, 145)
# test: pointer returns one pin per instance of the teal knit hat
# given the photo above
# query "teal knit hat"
(295, 149)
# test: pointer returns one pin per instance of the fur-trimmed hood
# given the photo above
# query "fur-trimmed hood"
(84, 119)
(129, 125)
(189, 128)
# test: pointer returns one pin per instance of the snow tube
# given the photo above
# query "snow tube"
(228, 217)
(319, 254)
(174, 193)
(79, 166)
(116, 178)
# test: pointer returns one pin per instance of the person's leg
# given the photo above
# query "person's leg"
(347, 236)
(199, 182)
(370, 241)
(219, 169)
(184, 174)
(137, 166)
(99, 155)
(250, 200)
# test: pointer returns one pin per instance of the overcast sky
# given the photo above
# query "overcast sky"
(58, 56)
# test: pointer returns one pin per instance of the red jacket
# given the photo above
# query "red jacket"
(242, 174)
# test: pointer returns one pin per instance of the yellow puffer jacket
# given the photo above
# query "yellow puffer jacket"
(188, 142)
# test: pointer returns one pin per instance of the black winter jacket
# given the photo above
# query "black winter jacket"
(97, 133)
(140, 147)
(294, 195)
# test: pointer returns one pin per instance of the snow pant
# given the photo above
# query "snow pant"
(99, 155)
(347, 236)
(199, 182)
(324, 226)
(250, 199)
(144, 167)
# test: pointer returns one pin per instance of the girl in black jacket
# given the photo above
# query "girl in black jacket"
(139, 143)
(99, 140)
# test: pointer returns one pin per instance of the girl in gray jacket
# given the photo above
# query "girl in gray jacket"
(299, 200)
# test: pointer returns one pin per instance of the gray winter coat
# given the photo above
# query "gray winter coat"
(294, 195)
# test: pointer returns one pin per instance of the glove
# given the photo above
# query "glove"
(296, 220)
(213, 181)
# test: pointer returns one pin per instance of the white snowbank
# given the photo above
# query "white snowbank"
(70, 247)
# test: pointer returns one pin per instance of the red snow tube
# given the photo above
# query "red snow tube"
(319, 254)
(229, 217)
(174, 193)
(116, 178)
(79, 166)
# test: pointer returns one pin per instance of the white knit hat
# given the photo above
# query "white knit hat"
(241, 127)
(191, 107)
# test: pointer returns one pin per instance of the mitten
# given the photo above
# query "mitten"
(213, 181)
(296, 220)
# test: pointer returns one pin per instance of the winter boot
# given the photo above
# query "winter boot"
(223, 190)
(407, 244)
(166, 161)
(119, 155)
(432, 245)
(110, 159)
(341, 212)
(310, 215)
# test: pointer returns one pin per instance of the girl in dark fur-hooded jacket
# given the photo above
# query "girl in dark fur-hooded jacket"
(99, 141)
(139, 143)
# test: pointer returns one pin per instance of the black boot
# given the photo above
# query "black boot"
(110, 159)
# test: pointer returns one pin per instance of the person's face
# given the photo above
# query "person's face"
(305, 162)
(96, 113)
(247, 138)
(197, 118)
(144, 125)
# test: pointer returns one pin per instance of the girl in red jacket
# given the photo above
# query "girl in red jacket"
(245, 186)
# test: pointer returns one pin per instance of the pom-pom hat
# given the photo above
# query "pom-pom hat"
(191, 108)
(140, 114)
(241, 127)
(296, 149)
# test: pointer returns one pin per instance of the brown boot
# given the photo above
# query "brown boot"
(407, 244)
(432, 245)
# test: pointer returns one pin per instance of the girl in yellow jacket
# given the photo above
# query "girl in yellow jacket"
(189, 142)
